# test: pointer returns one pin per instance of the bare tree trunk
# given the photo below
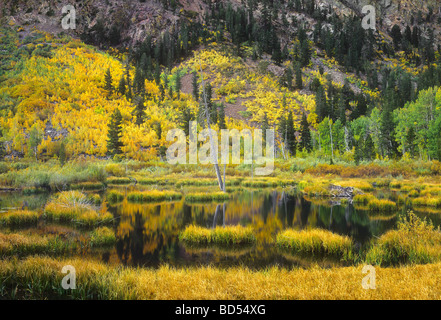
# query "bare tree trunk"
(330, 132)
(213, 151)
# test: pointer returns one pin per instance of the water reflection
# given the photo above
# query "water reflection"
(148, 233)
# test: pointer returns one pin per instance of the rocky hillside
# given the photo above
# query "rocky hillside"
(129, 22)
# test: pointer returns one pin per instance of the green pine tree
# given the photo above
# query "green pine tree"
(369, 148)
(139, 111)
(221, 118)
(122, 86)
(108, 82)
(291, 142)
(299, 80)
(306, 134)
(114, 134)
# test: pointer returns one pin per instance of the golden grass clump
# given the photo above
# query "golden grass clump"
(118, 180)
(315, 242)
(102, 236)
(153, 195)
(229, 235)
(382, 205)
(415, 241)
(363, 198)
(434, 191)
(21, 245)
(115, 196)
(260, 183)
(74, 206)
(357, 184)
(427, 202)
(395, 185)
(202, 196)
(316, 190)
(19, 218)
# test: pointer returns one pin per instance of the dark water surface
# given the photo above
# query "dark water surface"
(148, 234)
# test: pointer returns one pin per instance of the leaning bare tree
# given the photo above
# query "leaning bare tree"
(214, 152)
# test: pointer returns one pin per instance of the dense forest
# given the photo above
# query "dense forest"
(300, 67)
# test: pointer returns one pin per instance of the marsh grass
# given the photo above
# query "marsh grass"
(19, 218)
(102, 237)
(363, 199)
(382, 205)
(153, 196)
(157, 181)
(22, 245)
(94, 198)
(118, 180)
(229, 235)
(40, 278)
(357, 184)
(316, 190)
(205, 197)
(415, 241)
(261, 183)
(315, 242)
(74, 206)
(114, 196)
(427, 202)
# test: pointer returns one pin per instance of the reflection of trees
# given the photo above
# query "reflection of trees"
(344, 220)
(148, 233)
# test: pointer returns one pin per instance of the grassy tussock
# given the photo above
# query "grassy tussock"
(118, 180)
(395, 185)
(94, 198)
(102, 237)
(415, 241)
(19, 218)
(382, 205)
(363, 198)
(196, 182)
(115, 196)
(316, 190)
(156, 181)
(153, 195)
(261, 183)
(74, 206)
(229, 235)
(357, 184)
(200, 196)
(315, 242)
(40, 278)
(21, 245)
(427, 202)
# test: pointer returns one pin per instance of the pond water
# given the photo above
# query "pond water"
(148, 234)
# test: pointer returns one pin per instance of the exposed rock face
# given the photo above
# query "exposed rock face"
(135, 19)
(341, 192)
